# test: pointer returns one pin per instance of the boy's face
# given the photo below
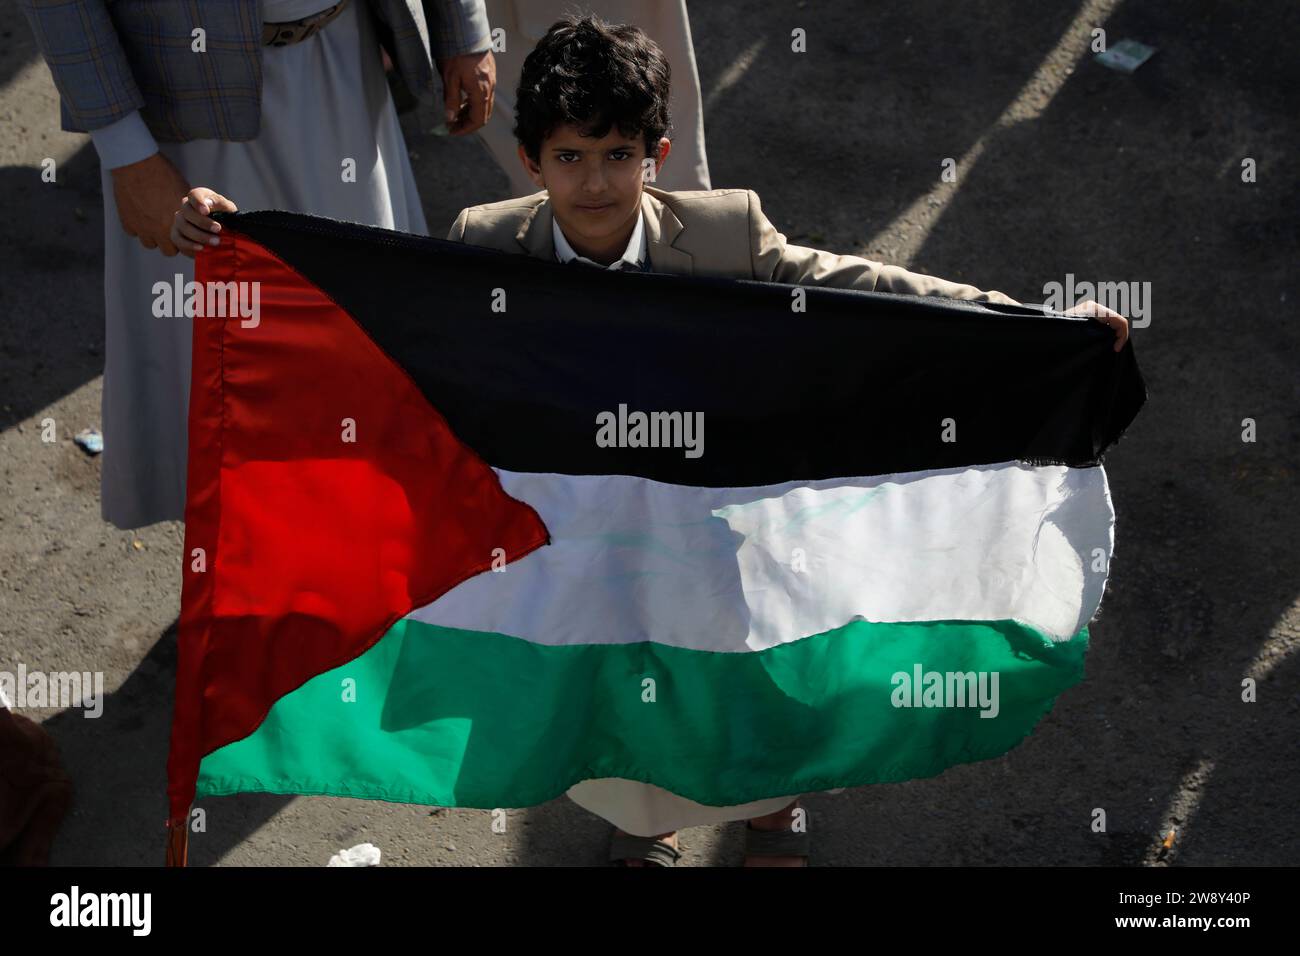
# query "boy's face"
(594, 186)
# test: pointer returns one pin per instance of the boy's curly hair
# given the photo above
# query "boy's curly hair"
(593, 75)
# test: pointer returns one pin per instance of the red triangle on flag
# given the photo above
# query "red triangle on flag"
(326, 499)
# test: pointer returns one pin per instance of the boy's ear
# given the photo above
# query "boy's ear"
(650, 168)
(534, 171)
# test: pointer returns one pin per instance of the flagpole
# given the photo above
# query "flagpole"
(178, 842)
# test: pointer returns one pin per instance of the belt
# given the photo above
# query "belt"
(282, 34)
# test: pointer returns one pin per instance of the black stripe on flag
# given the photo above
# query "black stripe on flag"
(858, 384)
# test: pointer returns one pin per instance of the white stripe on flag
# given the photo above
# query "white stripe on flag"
(744, 569)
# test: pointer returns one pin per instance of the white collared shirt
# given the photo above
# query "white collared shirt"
(633, 256)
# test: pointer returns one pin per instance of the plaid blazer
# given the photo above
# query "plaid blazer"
(111, 57)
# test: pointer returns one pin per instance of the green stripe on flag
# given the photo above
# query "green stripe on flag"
(456, 718)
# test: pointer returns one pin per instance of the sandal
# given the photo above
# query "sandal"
(776, 842)
(624, 847)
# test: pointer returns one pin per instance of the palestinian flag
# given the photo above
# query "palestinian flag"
(470, 529)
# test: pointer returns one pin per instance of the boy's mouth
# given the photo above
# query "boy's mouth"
(595, 207)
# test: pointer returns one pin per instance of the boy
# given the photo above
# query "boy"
(590, 120)
(596, 207)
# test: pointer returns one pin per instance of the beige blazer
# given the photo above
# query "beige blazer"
(717, 232)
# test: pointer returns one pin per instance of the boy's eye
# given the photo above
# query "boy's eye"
(619, 154)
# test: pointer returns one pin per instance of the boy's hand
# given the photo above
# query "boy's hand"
(192, 227)
(1105, 316)
(146, 194)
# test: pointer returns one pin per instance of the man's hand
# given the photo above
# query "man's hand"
(192, 227)
(146, 194)
(1106, 317)
(475, 74)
